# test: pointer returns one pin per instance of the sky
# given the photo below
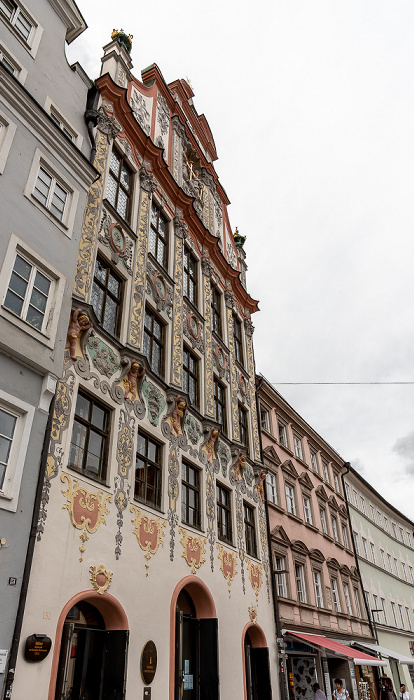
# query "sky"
(311, 104)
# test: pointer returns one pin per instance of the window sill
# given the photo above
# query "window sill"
(225, 543)
(275, 506)
(117, 215)
(88, 477)
(328, 537)
(294, 517)
(192, 527)
(144, 504)
(60, 224)
(312, 527)
(26, 327)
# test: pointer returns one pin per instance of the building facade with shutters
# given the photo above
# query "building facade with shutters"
(45, 175)
(384, 542)
(152, 527)
(317, 584)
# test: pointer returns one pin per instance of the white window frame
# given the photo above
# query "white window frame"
(265, 414)
(408, 619)
(48, 334)
(362, 499)
(335, 595)
(384, 611)
(385, 525)
(409, 539)
(404, 570)
(365, 548)
(67, 223)
(394, 613)
(396, 567)
(347, 492)
(347, 597)
(19, 71)
(281, 583)
(401, 534)
(52, 109)
(379, 518)
(9, 494)
(401, 616)
(383, 558)
(7, 132)
(345, 537)
(290, 499)
(372, 509)
(297, 446)
(394, 530)
(317, 586)
(389, 562)
(357, 603)
(336, 483)
(324, 522)
(372, 547)
(300, 582)
(271, 488)
(335, 532)
(325, 469)
(356, 541)
(31, 44)
(314, 461)
(307, 509)
(410, 568)
(355, 497)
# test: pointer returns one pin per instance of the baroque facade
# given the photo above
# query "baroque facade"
(152, 525)
(45, 175)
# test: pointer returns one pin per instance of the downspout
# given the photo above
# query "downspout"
(8, 687)
(91, 117)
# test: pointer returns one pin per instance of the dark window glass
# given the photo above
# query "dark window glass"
(148, 471)
(249, 530)
(219, 404)
(243, 427)
(237, 338)
(190, 495)
(158, 237)
(153, 342)
(224, 529)
(119, 187)
(215, 301)
(89, 438)
(106, 296)
(190, 276)
(190, 375)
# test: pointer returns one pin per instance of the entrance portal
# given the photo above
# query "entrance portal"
(256, 659)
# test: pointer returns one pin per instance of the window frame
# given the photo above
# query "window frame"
(110, 269)
(335, 595)
(153, 339)
(300, 577)
(282, 433)
(324, 522)
(187, 487)
(318, 584)
(191, 375)
(160, 238)
(335, 532)
(357, 602)
(243, 422)
(325, 471)
(308, 518)
(271, 488)
(123, 162)
(281, 576)
(249, 527)
(298, 446)
(190, 279)
(222, 402)
(238, 340)
(345, 538)
(314, 460)
(216, 311)
(31, 43)
(24, 412)
(157, 465)
(105, 434)
(29, 292)
(292, 499)
(225, 508)
(265, 419)
(347, 598)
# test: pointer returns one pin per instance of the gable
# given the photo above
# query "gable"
(271, 454)
(322, 493)
(305, 480)
(289, 468)
(280, 534)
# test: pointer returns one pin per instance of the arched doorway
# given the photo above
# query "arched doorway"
(256, 664)
(90, 651)
(195, 643)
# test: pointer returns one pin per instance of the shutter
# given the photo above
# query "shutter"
(114, 665)
(209, 675)
(261, 670)
(63, 668)
(178, 654)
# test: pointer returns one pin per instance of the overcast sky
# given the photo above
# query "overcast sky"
(311, 104)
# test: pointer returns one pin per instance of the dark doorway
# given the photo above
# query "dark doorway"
(257, 671)
(92, 660)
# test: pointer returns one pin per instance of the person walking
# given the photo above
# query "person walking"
(404, 694)
(320, 695)
(340, 693)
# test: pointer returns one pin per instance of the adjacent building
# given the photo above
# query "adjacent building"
(45, 175)
(384, 543)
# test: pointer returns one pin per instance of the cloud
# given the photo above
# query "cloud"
(358, 465)
(404, 447)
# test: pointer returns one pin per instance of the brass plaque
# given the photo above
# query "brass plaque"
(148, 662)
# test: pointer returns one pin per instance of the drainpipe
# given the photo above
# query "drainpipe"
(8, 687)
(91, 117)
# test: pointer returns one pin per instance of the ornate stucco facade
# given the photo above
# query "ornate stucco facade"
(152, 523)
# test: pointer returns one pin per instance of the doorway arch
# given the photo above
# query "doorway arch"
(256, 668)
(109, 609)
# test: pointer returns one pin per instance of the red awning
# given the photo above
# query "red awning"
(358, 657)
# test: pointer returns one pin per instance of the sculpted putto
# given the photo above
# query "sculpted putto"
(79, 323)
(130, 380)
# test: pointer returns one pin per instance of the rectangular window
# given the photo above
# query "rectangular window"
(90, 434)
(7, 428)
(411, 573)
(347, 492)
(119, 187)
(190, 495)
(314, 461)
(219, 404)
(297, 442)
(271, 488)
(363, 506)
(265, 420)
(190, 276)
(282, 434)
(154, 342)
(394, 530)
(215, 307)
(335, 595)
(396, 567)
(158, 237)
(322, 513)
(356, 542)
(379, 518)
(383, 558)
(300, 582)
(347, 599)
(17, 18)
(408, 619)
(385, 524)
(383, 611)
(224, 528)
(28, 293)
(355, 498)
(404, 570)
(335, 529)
(374, 561)
(190, 375)
(371, 507)
(8, 63)
(364, 547)
(290, 499)
(280, 566)
(357, 603)
(394, 614)
(249, 531)
(106, 296)
(400, 610)
(50, 193)
(318, 589)
(148, 471)
(336, 482)
(62, 125)
(375, 614)
(409, 540)
(326, 471)
(243, 426)
(307, 512)
(345, 536)
(389, 562)
(401, 534)
(237, 339)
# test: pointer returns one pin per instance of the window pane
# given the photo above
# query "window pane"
(77, 446)
(34, 317)
(13, 302)
(42, 283)
(122, 203)
(152, 451)
(94, 452)
(156, 359)
(98, 417)
(7, 424)
(113, 284)
(7, 8)
(111, 189)
(109, 320)
(115, 163)
(97, 300)
(38, 300)
(18, 285)
(82, 406)
(125, 177)
(23, 26)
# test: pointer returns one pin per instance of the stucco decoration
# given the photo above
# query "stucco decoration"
(221, 361)
(177, 350)
(208, 456)
(208, 357)
(239, 465)
(264, 542)
(139, 110)
(159, 289)
(107, 124)
(192, 429)
(218, 208)
(130, 382)
(224, 457)
(176, 416)
(163, 114)
(154, 400)
(193, 549)
(117, 241)
(255, 577)
(178, 136)
(253, 410)
(79, 324)
(233, 375)
(243, 389)
(228, 564)
(193, 328)
(173, 491)
(124, 456)
(239, 529)
(102, 356)
(86, 509)
(149, 533)
(252, 614)
(100, 577)
(86, 253)
(180, 228)
(231, 256)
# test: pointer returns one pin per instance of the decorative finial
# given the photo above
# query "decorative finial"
(123, 39)
(238, 239)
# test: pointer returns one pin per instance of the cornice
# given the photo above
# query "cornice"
(72, 18)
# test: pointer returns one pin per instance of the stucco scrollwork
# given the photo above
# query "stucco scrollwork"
(107, 124)
(193, 549)
(113, 237)
(228, 565)
(163, 113)
(149, 533)
(180, 228)
(139, 110)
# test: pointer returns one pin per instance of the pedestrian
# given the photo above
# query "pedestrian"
(386, 689)
(404, 694)
(340, 693)
(319, 694)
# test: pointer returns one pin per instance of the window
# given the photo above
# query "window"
(297, 442)
(379, 518)
(408, 619)
(409, 540)
(7, 429)
(335, 595)
(322, 513)
(219, 404)
(300, 582)
(383, 558)
(401, 616)
(190, 276)
(249, 531)
(153, 342)
(50, 193)
(355, 498)
(366, 593)
(383, 611)
(148, 471)
(237, 339)
(357, 603)
(190, 495)
(243, 426)
(119, 187)
(335, 529)
(389, 562)
(8, 63)
(404, 570)
(307, 512)
(28, 293)
(290, 499)
(265, 420)
(17, 18)
(271, 488)
(394, 529)
(385, 524)
(7, 132)
(90, 433)
(364, 546)
(282, 434)
(356, 540)
(411, 573)
(347, 599)
(363, 506)
(393, 614)
(374, 561)
(347, 492)
(318, 589)
(371, 507)
(375, 614)
(158, 237)
(15, 426)
(224, 528)
(60, 122)
(314, 461)
(215, 306)
(106, 296)
(190, 375)
(401, 534)
(325, 471)
(336, 482)
(345, 536)
(280, 566)
(396, 567)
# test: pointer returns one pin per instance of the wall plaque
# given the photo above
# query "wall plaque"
(37, 647)
(148, 662)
